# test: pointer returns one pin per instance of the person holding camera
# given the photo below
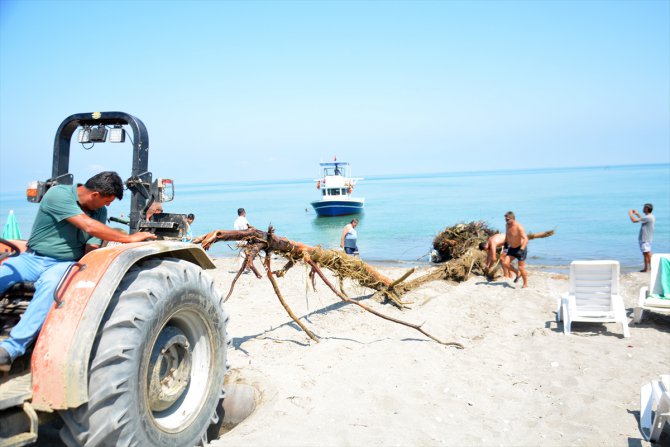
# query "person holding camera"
(646, 232)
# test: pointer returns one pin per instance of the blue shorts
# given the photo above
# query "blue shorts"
(351, 250)
(517, 252)
(645, 247)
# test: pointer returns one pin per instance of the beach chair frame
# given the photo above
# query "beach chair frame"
(654, 407)
(593, 295)
(645, 301)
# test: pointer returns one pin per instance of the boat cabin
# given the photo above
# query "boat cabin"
(335, 168)
(336, 191)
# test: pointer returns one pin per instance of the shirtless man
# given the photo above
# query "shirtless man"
(491, 247)
(516, 241)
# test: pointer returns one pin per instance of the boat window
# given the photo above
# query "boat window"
(344, 192)
(324, 192)
(335, 192)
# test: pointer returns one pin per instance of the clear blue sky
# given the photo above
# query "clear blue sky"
(265, 90)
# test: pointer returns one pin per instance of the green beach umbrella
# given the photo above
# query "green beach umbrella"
(11, 227)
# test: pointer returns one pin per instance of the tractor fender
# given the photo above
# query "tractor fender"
(60, 359)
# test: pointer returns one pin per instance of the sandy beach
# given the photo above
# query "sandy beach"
(519, 381)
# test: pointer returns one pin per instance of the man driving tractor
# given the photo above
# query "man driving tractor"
(69, 223)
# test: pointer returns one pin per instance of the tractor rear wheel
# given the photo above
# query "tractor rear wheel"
(158, 362)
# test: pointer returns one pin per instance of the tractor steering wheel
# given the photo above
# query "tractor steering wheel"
(15, 251)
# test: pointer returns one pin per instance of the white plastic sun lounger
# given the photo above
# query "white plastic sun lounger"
(593, 295)
(654, 407)
(647, 301)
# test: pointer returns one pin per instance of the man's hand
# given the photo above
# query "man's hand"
(141, 236)
(102, 231)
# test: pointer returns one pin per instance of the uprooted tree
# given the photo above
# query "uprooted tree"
(459, 245)
(464, 258)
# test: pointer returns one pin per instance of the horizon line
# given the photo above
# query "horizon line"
(416, 174)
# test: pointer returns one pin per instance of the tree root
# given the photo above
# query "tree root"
(343, 265)
(458, 244)
(379, 314)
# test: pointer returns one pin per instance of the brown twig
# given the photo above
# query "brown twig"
(283, 303)
(402, 278)
(541, 235)
(379, 314)
(232, 285)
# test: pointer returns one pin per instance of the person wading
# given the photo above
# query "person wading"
(349, 238)
(646, 235)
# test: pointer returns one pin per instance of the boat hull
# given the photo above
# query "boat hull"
(337, 207)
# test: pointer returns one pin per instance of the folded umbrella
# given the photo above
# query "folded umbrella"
(11, 231)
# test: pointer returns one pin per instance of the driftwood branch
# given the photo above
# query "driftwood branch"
(343, 265)
(541, 235)
(379, 314)
(283, 302)
(458, 245)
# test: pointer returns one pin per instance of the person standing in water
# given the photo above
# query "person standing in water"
(349, 238)
(646, 235)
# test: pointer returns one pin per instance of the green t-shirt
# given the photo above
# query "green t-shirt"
(55, 237)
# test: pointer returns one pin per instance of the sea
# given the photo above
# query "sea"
(587, 207)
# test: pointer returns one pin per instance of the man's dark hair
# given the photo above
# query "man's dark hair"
(107, 183)
(190, 216)
(649, 206)
(510, 214)
(240, 211)
(482, 245)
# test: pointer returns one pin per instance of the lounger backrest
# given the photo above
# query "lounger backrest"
(655, 282)
(593, 283)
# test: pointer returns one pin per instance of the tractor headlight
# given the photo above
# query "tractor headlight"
(117, 135)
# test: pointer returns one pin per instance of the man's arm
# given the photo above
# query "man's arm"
(634, 216)
(102, 231)
(524, 237)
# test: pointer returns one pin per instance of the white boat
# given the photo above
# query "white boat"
(336, 187)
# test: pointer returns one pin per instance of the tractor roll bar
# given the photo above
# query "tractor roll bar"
(61, 156)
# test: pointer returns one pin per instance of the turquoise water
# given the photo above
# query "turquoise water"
(588, 208)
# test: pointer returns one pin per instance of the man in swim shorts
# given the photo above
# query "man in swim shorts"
(491, 247)
(516, 241)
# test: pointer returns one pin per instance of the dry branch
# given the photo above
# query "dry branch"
(458, 245)
(541, 235)
(343, 265)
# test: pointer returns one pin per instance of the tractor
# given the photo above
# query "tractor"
(133, 350)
